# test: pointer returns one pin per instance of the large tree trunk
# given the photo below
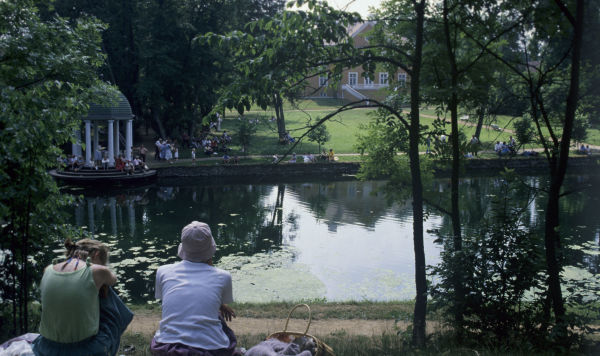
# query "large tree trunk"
(280, 118)
(454, 195)
(558, 168)
(419, 321)
(480, 117)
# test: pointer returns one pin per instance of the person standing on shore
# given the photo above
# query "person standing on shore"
(143, 152)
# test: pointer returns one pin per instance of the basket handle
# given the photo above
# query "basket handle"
(290, 314)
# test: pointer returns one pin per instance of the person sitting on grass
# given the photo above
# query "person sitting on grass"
(331, 155)
(497, 147)
(289, 138)
(81, 313)
(194, 297)
(324, 156)
(226, 137)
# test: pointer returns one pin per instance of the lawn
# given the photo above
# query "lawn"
(506, 123)
(343, 129)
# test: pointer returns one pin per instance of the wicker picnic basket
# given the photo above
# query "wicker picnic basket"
(322, 348)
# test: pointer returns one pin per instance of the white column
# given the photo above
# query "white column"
(88, 143)
(111, 148)
(117, 142)
(129, 139)
(76, 147)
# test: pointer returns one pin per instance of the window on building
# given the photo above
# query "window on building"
(383, 78)
(352, 78)
(322, 80)
(402, 80)
(368, 81)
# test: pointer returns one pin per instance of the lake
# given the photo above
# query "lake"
(339, 240)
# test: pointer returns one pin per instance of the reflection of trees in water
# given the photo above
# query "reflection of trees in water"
(146, 223)
(347, 202)
(577, 224)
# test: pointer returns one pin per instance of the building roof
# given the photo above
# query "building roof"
(120, 110)
(359, 27)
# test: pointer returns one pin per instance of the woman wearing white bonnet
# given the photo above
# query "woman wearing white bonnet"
(194, 297)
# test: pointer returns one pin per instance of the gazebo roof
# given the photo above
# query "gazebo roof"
(121, 110)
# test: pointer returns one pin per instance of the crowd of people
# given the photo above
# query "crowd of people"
(102, 162)
(308, 157)
(210, 144)
(166, 150)
(506, 148)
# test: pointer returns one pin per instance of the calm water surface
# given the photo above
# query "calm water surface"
(336, 240)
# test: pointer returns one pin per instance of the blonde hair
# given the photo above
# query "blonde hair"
(84, 247)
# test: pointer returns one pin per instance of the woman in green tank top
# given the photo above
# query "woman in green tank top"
(81, 314)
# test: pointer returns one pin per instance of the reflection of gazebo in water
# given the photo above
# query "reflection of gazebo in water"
(110, 117)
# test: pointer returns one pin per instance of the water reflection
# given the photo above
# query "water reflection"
(334, 240)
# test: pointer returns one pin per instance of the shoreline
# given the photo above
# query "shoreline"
(293, 171)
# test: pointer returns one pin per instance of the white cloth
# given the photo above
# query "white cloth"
(18, 348)
(192, 294)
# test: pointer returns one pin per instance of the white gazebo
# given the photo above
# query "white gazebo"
(109, 117)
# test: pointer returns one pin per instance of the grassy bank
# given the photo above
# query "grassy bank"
(359, 345)
(320, 310)
(395, 340)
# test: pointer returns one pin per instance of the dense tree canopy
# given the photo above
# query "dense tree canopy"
(170, 80)
(48, 76)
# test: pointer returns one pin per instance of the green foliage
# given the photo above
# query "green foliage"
(246, 129)
(524, 132)
(503, 269)
(320, 135)
(383, 144)
(580, 127)
(47, 77)
(170, 80)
